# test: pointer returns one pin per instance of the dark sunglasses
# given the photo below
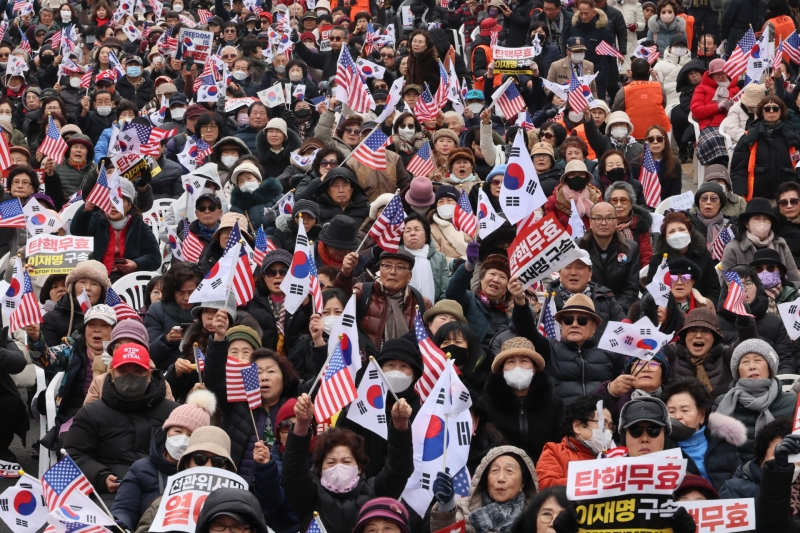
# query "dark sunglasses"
(203, 208)
(335, 39)
(329, 163)
(787, 202)
(567, 320)
(272, 272)
(655, 139)
(200, 459)
(652, 431)
(285, 425)
(353, 131)
(387, 56)
(772, 109)
(547, 135)
(768, 268)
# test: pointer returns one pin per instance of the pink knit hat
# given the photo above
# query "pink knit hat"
(195, 413)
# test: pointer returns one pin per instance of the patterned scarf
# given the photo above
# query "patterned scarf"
(326, 258)
(713, 227)
(500, 304)
(494, 516)
(566, 295)
(279, 311)
(584, 200)
(700, 371)
(773, 293)
(624, 228)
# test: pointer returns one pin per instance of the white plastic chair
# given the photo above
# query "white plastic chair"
(663, 206)
(68, 214)
(699, 170)
(50, 405)
(131, 288)
(161, 206)
(787, 381)
(4, 264)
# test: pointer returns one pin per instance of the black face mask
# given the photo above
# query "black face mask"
(379, 109)
(302, 113)
(576, 183)
(616, 174)
(458, 353)
(46, 60)
(402, 51)
(131, 386)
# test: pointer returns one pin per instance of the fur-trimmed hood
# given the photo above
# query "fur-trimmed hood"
(600, 23)
(643, 219)
(655, 25)
(727, 428)
(476, 492)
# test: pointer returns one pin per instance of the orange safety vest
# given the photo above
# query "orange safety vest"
(783, 25)
(689, 27)
(579, 131)
(643, 104)
(479, 81)
(751, 168)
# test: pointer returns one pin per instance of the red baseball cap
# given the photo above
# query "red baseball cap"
(131, 353)
(105, 75)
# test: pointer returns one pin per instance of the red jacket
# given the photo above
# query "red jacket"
(551, 469)
(706, 112)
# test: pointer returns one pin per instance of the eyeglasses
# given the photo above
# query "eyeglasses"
(768, 268)
(604, 220)
(272, 272)
(786, 202)
(710, 198)
(387, 56)
(685, 278)
(748, 283)
(394, 268)
(353, 131)
(200, 459)
(497, 183)
(335, 39)
(546, 517)
(567, 320)
(329, 163)
(547, 135)
(210, 208)
(52, 108)
(651, 364)
(655, 139)
(772, 109)
(230, 56)
(25, 183)
(238, 528)
(652, 431)
(620, 201)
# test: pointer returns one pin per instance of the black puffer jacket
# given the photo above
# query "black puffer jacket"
(790, 233)
(110, 434)
(55, 324)
(285, 236)
(159, 320)
(593, 32)
(296, 324)
(357, 209)
(12, 361)
(517, 24)
(255, 205)
(773, 165)
(528, 422)
(140, 96)
(619, 272)
(274, 163)
(167, 183)
(723, 434)
(576, 370)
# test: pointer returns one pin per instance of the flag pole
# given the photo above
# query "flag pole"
(99, 499)
(446, 423)
(253, 418)
(197, 362)
(383, 376)
(396, 192)
(322, 371)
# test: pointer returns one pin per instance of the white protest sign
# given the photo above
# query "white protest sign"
(641, 339)
(195, 44)
(543, 247)
(185, 494)
(608, 478)
(730, 516)
(236, 103)
(682, 202)
(408, 16)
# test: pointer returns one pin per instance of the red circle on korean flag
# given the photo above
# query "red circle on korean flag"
(647, 344)
(25, 502)
(433, 445)
(287, 209)
(272, 97)
(13, 288)
(122, 146)
(212, 90)
(514, 177)
(213, 272)
(172, 242)
(483, 211)
(300, 266)
(367, 70)
(586, 91)
(375, 397)
(187, 42)
(38, 220)
(192, 153)
(347, 349)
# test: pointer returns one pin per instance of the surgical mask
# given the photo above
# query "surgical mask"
(770, 279)
(619, 132)
(446, 211)
(157, 59)
(280, 69)
(238, 75)
(405, 133)
(176, 445)
(46, 59)
(208, 190)
(340, 478)
(458, 353)
(66, 16)
(5, 117)
(576, 58)
(16, 87)
(228, 160)
(302, 113)
(575, 117)
(679, 240)
(295, 77)
(667, 18)
(475, 108)
(177, 113)
(616, 174)
(518, 378)
(243, 120)
(104, 110)
(379, 109)
(75, 82)
(134, 72)
(679, 51)
(576, 183)
(493, 13)
(321, 12)
(249, 186)
(398, 381)
(131, 386)
(177, 8)
(759, 229)
(330, 321)
(596, 442)
(402, 50)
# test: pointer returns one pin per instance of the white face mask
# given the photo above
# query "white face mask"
(340, 478)
(406, 133)
(679, 240)
(238, 75)
(249, 186)
(104, 110)
(576, 58)
(596, 442)
(157, 59)
(228, 160)
(66, 16)
(208, 190)
(177, 8)
(176, 445)
(619, 132)
(75, 82)
(475, 108)
(330, 321)
(177, 113)
(667, 18)
(679, 51)
(518, 378)
(575, 117)
(295, 77)
(446, 211)
(759, 229)
(399, 381)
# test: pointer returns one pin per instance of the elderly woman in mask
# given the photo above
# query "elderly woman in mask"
(450, 241)
(576, 184)
(772, 274)
(430, 275)
(406, 134)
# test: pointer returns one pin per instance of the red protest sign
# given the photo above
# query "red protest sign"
(541, 248)
(716, 516)
(458, 527)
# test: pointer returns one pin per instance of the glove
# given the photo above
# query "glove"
(444, 493)
(473, 249)
(550, 113)
(789, 445)
(144, 179)
(375, 254)
(288, 116)
(631, 27)
(567, 521)
(682, 522)
(105, 358)
(725, 105)
(294, 37)
(270, 214)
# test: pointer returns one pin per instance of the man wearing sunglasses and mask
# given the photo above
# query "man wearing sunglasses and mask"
(208, 210)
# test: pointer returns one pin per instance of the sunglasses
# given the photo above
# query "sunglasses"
(685, 278)
(772, 109)
(652, 431)
(567, 320)
(285, 425)
(200, 459)
(328, 163)
(787, 202)
(272, 272)
(387, 56)
(335, 39)
(353, 131)
(210, 208)
(768, 268)
(547, 135)
(656, 139)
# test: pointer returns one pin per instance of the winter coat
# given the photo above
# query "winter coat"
(143, 483)
(109, 435)
(705, 111)
(517, 23)
(602, 143)
(593, 32)
(566, 23)
(167, 183)
(528, 422)
(338, 512)
(617, 25)
(324, 130)
(12, 361)
(671, 184)
(441, 274)
(324, 61)
(724, 434)
(274, 163)
(73, 179)
(665, 34)
(93, 125)
(55, 323)
(738, 17)
(159, 321)
(254, 205)
(741, 251)
(605, 305)
(424, 69)
(285, 236)
(295, 325)
(773, 500)
(773, 165)
(485, 321)
(707, 283)
(560, 72)
(477, 490)
(268, 488)
(632, 13)
(377, 182)
(746, 483)
(450, 241)
(554, 461)
(139, 96)
(317, 190)
(789, 232)
(619, 272)
(668, 68)
(248, 135)
(737, 122)
(782, 406)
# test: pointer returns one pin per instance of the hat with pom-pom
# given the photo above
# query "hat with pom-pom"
(195, 413)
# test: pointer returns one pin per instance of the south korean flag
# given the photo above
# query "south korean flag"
(297, 283)
(790, 314)
(521, 191)
(369, 408)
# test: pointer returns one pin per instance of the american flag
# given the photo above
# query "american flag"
(271, 246)
(605, 49)
(86, 79)
(167, 44)
(778, 59)
(649, 178)
(493, 39)
(511, 102)
(27, 312)
(5, 155)
(192, 246)
(737, 63)
(25, 44)
(203, 148)
(244, 285)
(547, 323)
(4, 26)
(372, 150)
(422, 162)
(77, 527)
(19, 5)
(736, 298)
(55, 41)
(463, 217)
(204, 15)
(316, 290)
(145, 30)
(388, 229)
(260, 250)
(60, 480)
(433, 359)
(723, 239)
(200, 359)
(461, 482)
(53, 146)
(577, 101)
(315, 527)
(525, 121)
(149, 137)
(235, 380)
(124, 311)
(100, 195)
(11, 214)
(77, 197)
(650, 53)
(115, 65)
(369, 40)
(792, 47)
(426, 108)
(336, 389)
(349, 79)
(207, 77)
(252, 388)
(441, 91)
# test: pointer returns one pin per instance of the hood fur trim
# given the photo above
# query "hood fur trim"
(601, 23)
(727, 428)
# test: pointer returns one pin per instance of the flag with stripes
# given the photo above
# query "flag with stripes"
(737, 296)
(525, 121)
(388, 229)
(200, 359)
(242, 284)
(4, 24)
(336, 389)
(433, 359)
(350, 85)
(115, 65)
(208, 76)
(736, 65)
(723, 239)
(204, 15)
(271, 246)
(372, 150)
(463, 217)
(100, 195)
(145, 30)
(192, 247)
(650, 53)
(124, 311)
(315, 289)
(260, 250)
(426, 107)
(77, 197)
(234, 380)
(510, 101)
(441, 97)
(167, 44)
(55, 41)
(547, 323)
(53, 146)
(576, 98)
(25, 44)
(11, 214)
(422, 163)
(28, 311)
(605, 49)
(778, 59)
(86, 79)
(252, 387)
(649, 178)
(61, 480)
(5, 154)
(370, 38)
(792, 47)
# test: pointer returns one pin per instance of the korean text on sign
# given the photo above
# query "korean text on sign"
(544, 247)
(718, 516)
(608, 478)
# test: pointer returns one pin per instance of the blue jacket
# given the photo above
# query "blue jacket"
(267, 487)
(248, 134)
(480, 317)
(101, 148)
(745, 483)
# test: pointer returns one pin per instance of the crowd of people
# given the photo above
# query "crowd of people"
(133, 406)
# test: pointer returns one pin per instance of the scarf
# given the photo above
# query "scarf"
(326, 258)
(584, 200)
(410, 146)
(766, 243)
(500, 304)
(453, 180)
(422, 275)
(498, 517)
(795, 220)
(453, 236)
(773, 293)
(441, 166)
(713, 226)
(76, 166)
(638, 393)
(771, 126)
(624, 228)
(754, 395)
(700, 371)
(696, 447)
(207, 232)
(175, 312)
(279, 312)
(566, 295)
(396, 325)
(721, 94)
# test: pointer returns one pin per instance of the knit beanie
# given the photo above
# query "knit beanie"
(445, 132)
(286, 411)
(460, 153)
(130, 329)
(243, 333)
(711, 186)
(245, 167)
(445, 191)
(195, 413)
(278, 124)
(89, 269)
(307, 207)
(757, 346)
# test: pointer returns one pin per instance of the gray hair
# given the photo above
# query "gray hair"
(457, 116)
(620, 186)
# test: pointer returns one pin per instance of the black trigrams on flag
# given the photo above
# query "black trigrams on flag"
(361, 407)
(348, 320)
(514, 152)
(425, 482)
(644, 331)
(464, 396)
(512, 201)
(373, 374)
(22, 523)
(531, 188)
(440, 399)
(302, 240)
(295, 289)
(464, 435)
(4, 504)
(619, 330)
(381, 419)
(216, 283)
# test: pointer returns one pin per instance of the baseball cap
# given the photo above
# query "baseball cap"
(131, 353)
(575, 44)
(105, 76)
(208, 196)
